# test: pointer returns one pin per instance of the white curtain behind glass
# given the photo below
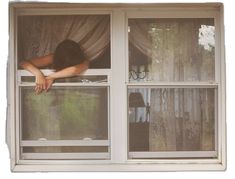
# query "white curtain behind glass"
(39, 35)
(182, 120)
(177, 50)
(63, 113)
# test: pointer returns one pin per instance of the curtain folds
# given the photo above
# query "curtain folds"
(39, 35)
(177, 50)
(182, 120)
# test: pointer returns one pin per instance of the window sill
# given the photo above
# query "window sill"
(120, 167)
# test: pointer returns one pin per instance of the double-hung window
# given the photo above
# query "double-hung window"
(154, 93)
(172, 90)
(71, 120)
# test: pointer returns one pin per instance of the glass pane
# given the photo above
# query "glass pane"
(69, 149)
(40, 35)
(66, 113)
(171, 49)
(171, 119)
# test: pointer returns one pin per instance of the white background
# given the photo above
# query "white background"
(230, 65)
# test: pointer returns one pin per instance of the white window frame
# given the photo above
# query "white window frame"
(28, 157)
(53, 143)
(181, 84)
(119, 82)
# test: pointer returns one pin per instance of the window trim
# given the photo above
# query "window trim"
(118, 114)
(139, 155)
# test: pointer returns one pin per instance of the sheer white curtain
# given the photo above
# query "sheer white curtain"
(63, 113)
(39, 35)
(182, 120)
(178, 50)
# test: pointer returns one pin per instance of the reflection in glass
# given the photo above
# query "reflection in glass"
(175, 120)
(171, 49)
(66, 113)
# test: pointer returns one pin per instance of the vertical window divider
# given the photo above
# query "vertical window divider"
(118, 91)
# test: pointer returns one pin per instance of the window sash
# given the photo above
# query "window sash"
(172, 155)
(181, 14)
(73, 156)
(54, 143)
(89, 72)
(179, 154)
(173, 85)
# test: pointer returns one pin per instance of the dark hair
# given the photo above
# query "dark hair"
(68, 53)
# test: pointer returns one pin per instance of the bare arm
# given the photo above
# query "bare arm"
(39, 61)
(70, 71)
(67, 72)
(33, 66)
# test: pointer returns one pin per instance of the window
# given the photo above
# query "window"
(71, 120)
(154, 93)
(175, 119)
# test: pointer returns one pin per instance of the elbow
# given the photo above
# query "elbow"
(79, 68)
(75, 71)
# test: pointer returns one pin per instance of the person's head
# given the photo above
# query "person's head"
(68, 53)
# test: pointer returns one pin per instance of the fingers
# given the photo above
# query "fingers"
(38, 88)
(40, 84)
(45, 86)
(48, 85)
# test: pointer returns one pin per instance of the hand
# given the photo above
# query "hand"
(49, 82)
(40, 83)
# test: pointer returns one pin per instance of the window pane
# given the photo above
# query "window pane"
(171, 119)
(40, 35)
(171, 49)
(73, 149)
(66, 113)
